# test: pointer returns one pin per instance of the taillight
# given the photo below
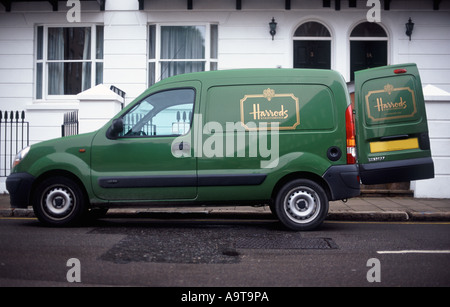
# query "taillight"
(351, 140)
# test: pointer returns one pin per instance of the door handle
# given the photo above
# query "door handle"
(181, 147)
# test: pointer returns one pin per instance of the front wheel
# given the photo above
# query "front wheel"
(59, 201)
(301, 205)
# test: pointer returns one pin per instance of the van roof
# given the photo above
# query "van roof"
(233, 76)
(253, 76)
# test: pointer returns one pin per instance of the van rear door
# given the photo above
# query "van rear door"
(392, 131)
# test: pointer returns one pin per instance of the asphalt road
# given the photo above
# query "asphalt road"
(223, 252)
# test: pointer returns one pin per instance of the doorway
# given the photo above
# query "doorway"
(312, 54)
(312, 46)
(368, 47)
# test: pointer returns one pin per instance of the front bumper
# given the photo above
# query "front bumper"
(19, 188)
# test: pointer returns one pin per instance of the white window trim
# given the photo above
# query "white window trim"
(157, 60)
(45, 61)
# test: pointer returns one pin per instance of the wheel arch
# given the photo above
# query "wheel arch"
(301, 175)
(62, 173)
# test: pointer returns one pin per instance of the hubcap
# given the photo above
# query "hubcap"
(58, 202)
(302, 205)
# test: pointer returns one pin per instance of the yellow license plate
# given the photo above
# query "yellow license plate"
(394, 145)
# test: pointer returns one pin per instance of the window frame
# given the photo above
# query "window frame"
(210, 60)
(136, 105)
(43, 73)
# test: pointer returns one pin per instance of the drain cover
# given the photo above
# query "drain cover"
(285, 243)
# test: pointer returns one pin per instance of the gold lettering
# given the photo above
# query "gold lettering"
(255, 112)
(401, 105)
(268, 114)
(379, 104)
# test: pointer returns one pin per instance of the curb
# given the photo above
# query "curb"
(429, 216)
(371, 216)
(390, 216)
(16, 212)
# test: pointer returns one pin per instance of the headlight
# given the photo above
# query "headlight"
(19, 157)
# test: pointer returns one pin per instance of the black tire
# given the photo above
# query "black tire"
(301, 205)
(273, 210)
(59, 201)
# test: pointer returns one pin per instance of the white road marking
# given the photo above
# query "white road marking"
(415, 252)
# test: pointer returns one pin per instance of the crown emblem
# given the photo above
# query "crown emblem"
(389, 88)
(268, 94)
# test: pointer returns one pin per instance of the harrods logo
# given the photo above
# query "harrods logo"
(390, 103)
(270, 107)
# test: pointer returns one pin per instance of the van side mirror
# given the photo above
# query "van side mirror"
(115, 129)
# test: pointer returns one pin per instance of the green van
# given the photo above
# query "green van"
(283, 137)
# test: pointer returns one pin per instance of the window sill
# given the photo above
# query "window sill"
(53, 105)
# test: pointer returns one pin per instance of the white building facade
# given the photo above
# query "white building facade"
(51, 51)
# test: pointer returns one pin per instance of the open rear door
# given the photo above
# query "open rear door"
(392, 131)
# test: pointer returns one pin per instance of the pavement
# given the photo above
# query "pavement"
(355, 209)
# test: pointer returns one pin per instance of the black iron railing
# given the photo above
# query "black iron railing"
(14, 136)
(70, 124)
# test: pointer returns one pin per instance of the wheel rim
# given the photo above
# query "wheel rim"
(58, 202)
(302, 205)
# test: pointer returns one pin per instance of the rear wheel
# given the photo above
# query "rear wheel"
(59, 201)
(301, 205)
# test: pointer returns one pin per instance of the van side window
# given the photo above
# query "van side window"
(164, 113)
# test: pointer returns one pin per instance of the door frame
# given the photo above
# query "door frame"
(350, 38)
(135, 184)
(313, 38)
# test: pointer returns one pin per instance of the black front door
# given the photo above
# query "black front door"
(312, 54)
(367, 54)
